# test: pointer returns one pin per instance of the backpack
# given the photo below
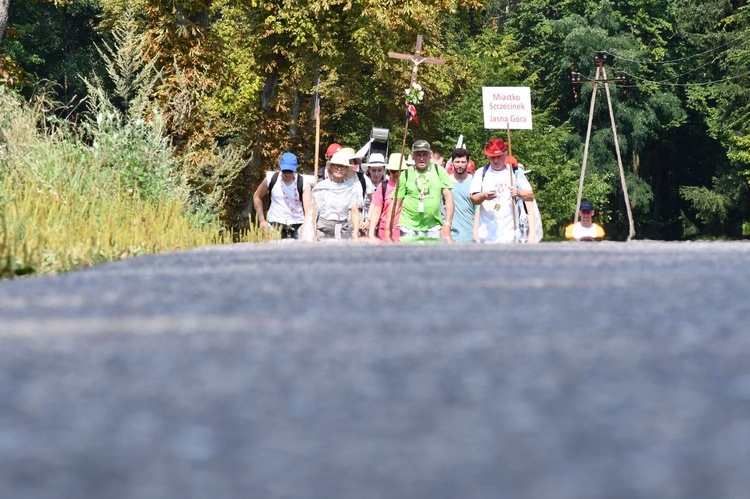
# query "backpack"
(300, 183)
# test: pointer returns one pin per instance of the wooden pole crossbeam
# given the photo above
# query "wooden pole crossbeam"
(416, 59)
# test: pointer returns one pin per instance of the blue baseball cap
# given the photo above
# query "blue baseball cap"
(288, 162)
(587, 206)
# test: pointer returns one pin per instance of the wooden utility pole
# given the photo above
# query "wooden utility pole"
(416, 59)
(601, 77)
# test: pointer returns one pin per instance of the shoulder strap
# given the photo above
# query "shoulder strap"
(363, 183)
(384, 187)
(484, 171)
(272, 182)
(300, 183)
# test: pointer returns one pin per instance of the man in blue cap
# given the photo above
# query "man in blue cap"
(586, 229)
(290, 198)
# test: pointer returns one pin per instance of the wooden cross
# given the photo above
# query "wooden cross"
(416, 59)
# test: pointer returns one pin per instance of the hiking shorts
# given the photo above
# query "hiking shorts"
(432, 234)
(334, 229)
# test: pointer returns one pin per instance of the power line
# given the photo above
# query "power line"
(670, 61)
(665, 84)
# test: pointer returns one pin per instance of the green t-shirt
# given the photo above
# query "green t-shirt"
(430, 183)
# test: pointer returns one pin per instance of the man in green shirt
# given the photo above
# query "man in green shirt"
(420, 192)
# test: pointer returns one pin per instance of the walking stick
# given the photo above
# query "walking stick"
(513, 198)
(314, 228)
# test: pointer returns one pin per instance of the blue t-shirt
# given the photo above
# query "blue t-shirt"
(462, 228)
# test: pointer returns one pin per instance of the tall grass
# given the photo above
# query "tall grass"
(69, 200)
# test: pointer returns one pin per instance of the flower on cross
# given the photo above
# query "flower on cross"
(414, 94)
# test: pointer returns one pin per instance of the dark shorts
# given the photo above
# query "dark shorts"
(287, 231)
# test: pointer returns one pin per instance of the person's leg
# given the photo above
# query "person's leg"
(325, 229)
(287, 231)
(347, 231)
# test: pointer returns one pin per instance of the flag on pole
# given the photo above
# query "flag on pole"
(413, 113)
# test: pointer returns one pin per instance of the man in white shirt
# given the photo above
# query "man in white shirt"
(291, 198)
(499, 197)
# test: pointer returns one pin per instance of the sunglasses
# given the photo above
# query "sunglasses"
(338, 167)
(586, 211)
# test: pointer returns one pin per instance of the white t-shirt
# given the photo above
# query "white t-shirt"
(496, 215)
(581, 232)
(335, 199)
(286, 204)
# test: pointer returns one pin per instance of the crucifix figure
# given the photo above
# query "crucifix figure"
(416, 59)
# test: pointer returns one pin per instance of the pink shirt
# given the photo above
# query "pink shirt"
(377, 200)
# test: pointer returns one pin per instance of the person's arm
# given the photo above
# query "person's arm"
(481, 197)
(355, 221)
(449, 208)
(389, 218)
(525, 194)
(364, 225)
(306, 198)
(258, 196)
(475, 230)
(374, 215)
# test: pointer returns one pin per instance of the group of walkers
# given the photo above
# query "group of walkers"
(406, 199)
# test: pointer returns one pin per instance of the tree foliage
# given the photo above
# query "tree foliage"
(235, 83)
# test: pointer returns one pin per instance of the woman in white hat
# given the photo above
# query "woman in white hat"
(375, 170)
(381, 202)
(337, 200)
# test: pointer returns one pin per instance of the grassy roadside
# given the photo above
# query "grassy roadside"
(68, 201)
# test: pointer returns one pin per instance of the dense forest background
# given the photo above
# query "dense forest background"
(233, 83)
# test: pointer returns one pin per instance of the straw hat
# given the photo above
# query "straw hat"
(344, 157)
(393, 162)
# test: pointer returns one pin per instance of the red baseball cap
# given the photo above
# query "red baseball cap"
(333, 149)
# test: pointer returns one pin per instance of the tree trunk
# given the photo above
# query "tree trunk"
(4, 9)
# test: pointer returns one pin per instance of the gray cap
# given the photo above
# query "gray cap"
(421, 145)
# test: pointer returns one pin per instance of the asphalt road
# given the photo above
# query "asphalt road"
(558, 370)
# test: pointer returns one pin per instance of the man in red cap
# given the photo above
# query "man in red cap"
(499, 198)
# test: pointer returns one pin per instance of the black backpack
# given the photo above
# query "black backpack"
(300, 184)
(363, 182)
